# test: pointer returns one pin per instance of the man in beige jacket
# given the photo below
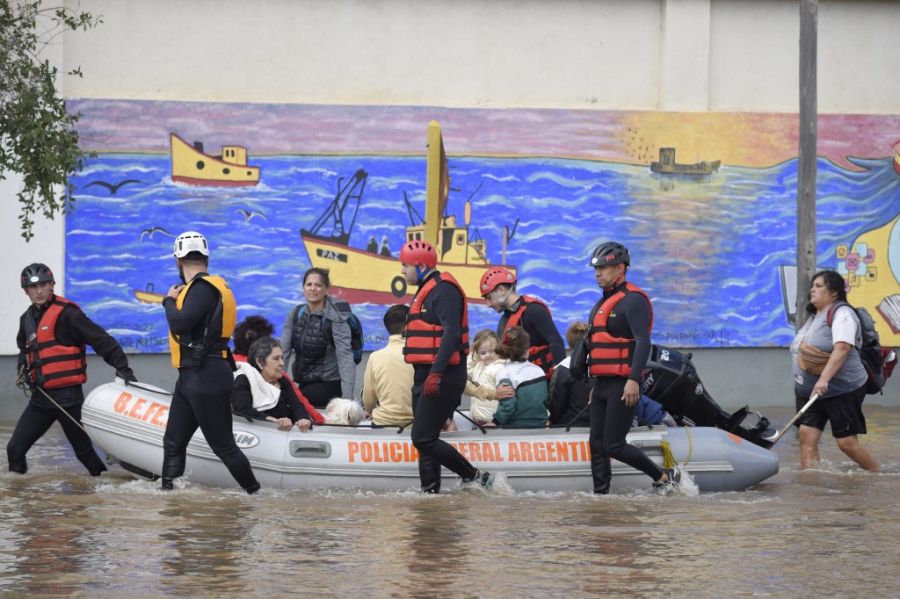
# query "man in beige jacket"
(388, 380)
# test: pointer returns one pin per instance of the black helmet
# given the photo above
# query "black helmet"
(36, 273)
(610, 254)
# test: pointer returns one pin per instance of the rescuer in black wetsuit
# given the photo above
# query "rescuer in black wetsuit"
(616, 351)
(201, 316)
(498, 287)
(52, 336)
(436, 345)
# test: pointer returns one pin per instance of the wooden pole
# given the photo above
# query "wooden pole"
(806, 167)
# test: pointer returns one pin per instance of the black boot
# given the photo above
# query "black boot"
(167, 484)
(252, 488)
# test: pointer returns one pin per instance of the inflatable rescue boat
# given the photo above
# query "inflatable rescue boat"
(127, 421)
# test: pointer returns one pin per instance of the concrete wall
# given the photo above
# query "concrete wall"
(696, 55)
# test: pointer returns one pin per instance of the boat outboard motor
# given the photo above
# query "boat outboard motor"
(671, 379)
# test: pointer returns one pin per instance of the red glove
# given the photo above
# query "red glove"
(432, 384)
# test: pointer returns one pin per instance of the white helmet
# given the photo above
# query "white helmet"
(190, 241)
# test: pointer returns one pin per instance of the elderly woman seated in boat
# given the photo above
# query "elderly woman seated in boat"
(260, 390)
(249, 330)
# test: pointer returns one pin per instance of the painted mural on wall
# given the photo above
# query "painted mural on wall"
(705, 203)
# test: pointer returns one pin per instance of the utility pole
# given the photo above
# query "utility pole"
(806, 167)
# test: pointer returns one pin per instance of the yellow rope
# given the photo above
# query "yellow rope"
(669, 460)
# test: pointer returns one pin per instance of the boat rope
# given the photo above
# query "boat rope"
(669, 460)
(690, 444)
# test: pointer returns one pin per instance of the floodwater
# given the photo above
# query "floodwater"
(833, 531)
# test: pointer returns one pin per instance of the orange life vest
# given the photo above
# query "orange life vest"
(608, 355)
(422, 339)
(53, 365)
(540, 355)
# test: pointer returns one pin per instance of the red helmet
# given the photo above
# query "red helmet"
(418, 252)
(495, 276)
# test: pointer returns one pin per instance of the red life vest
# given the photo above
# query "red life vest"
(608, 355)
(422, 339)
(314, 414)
(53, 365)
(540, 355)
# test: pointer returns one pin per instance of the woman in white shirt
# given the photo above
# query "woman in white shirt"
(826, 362)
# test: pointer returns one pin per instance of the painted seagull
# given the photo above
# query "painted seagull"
(152, 230)
(249, 214)
(112, 187)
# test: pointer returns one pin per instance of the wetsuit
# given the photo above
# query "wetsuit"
(631, 318)
(538, 323)
(203, 391)
(443, 306)
(73, 328)
(568, 398)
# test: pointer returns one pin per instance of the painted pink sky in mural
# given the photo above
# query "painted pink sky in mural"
(746, 139)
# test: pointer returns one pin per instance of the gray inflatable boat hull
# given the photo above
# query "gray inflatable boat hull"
(128, 423)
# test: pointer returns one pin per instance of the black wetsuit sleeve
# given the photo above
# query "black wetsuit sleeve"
(242, 399)
(291, 402)
(559, 393)
(77, 329)
(201, 299)
(637, 315)
(20, 343)
(541, 326)
(447, 306)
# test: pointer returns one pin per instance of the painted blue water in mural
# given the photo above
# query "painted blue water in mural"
(707, 251)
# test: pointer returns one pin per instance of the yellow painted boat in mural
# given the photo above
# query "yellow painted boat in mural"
(191, 166)
(148, 296)
(368, 276)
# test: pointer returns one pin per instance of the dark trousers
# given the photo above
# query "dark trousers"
(202, 399)
(429, 416)
(35, 421)
(610, 422)
(321, 392)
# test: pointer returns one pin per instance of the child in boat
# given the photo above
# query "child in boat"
(528, 408)
(483, 368)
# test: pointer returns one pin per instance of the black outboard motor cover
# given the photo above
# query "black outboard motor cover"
(671, 379)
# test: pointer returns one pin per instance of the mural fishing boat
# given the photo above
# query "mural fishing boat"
(128, 421)
(668, 166)
(191, 166)
(897, 157)
(148, 295)
(360, 275)
(871, 267)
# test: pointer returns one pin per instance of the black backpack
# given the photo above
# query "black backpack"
(878, 361)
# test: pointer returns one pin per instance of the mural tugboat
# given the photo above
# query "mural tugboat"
(191, 166)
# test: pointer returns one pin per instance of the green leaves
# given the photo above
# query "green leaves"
(38, 139)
